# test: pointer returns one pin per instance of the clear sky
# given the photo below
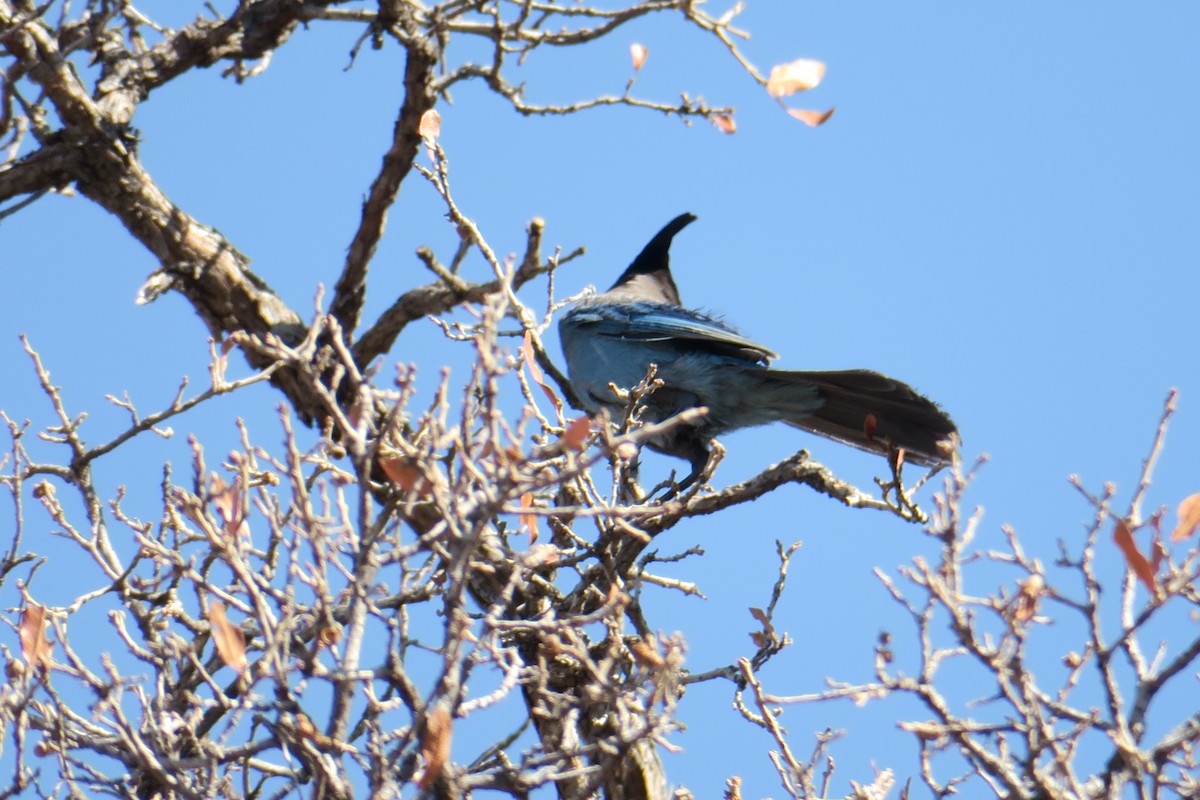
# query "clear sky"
(1002, 212)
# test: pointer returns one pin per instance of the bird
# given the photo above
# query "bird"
(611, 339)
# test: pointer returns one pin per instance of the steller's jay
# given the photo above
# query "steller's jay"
(614, 337)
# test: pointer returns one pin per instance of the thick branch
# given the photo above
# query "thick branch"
(351, 287)
(52, 167)
(433, 298)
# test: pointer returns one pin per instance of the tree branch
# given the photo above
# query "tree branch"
(351, 288)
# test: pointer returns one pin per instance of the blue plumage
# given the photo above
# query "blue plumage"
(614, 337)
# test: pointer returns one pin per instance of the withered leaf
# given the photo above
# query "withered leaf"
(404, 473)
(435, 746)
(529, 520)
(536, 372)
(724, 123)
(35, 647)
(645, 652)
(1189, 518)
(228, 500)
(638, 53)
(1158, 552)
(1030, 592)
(228, 638)
(768, 630)
(1133, 557)
(430, 126)
(577, 433)
(540, 555)
(798, 76)
(811, 118)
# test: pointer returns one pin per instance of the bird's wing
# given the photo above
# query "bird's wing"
(655, 322)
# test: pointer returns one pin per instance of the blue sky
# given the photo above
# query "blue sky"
(1001, 212)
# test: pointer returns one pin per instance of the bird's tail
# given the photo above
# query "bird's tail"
(866, 410)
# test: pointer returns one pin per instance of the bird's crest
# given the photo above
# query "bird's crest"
(649, 276)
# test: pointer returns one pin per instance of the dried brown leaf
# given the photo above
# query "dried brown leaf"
(529, 520)
(1158, 552)
(228, 500)
(645, 652)
(798, 76)
(35, 647)
(768, 629)
(435, 746)
(811, 118)
(724, 122)
(1189, 518)
(577, 433)
(536, 372)
(1133, 557)
(638, 53)
(430, 126)
(228, 638)
(540, 555)
(404, 473)
(1030, 592)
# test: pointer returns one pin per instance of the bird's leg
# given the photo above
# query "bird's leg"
(704, 462)
(630, 491)
(903, 503)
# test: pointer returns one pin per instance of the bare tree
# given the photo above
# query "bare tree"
(310, 616)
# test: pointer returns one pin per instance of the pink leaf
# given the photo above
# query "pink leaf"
(811, 118)
(638, 53)
(787, 79)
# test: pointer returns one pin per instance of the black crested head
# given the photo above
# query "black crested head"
(649, 276)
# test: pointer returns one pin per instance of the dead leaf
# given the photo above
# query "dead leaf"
(435, 746)
(404, 473)
(724, 123)
(645, 652)
(1029, 593)
(228, 638)
(430, 126)
(811, 118)
(540, 555)
(35, 647)
(228, 500)
(529, 520)
(504, 456)
(1189, 518)
(767, 635)
(929, 731)
(1133, 557)
(638, 53)
(798, 76)
(577, 433)
(1158, 552)
(536, 372)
